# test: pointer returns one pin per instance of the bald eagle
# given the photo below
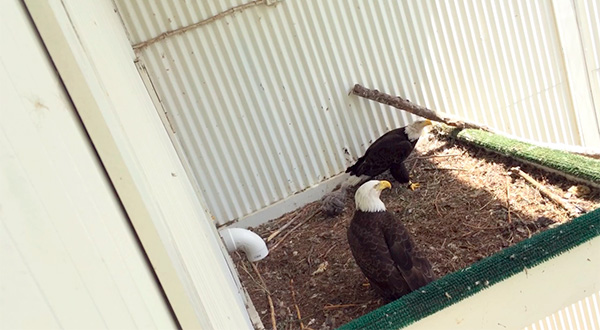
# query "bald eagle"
(383, 248)
(388, 152)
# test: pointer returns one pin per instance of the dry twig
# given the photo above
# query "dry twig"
(404, 104)
(483, 228)
(439, 156)
(443, 169)
(296, 303)
(435, 204)
(271, 306)
(294, 228)
(488, 203)
(243, 264)
(330, 307)
(278, 231)
(508, 199)
(573, 210)
(329, 250)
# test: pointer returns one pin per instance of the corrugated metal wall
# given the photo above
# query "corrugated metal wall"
(584, 314)
(588, 14)
(258, 98)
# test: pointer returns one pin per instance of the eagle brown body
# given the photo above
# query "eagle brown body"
(386, 254)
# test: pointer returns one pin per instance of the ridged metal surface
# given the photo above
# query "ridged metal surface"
(259, 98)
(588, 12)
(584, 314)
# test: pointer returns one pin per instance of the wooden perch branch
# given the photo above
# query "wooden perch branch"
(404, 104)
(573, 210)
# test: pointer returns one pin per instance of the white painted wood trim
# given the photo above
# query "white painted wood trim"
(577, 73)
(69, 258)
(525, 297)
(94, 59)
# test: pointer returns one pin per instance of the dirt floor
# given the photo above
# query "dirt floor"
(457, 216)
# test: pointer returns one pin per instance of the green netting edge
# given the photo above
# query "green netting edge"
(582, 167)
(456, 286)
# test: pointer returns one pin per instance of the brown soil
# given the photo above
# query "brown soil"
(457, 216)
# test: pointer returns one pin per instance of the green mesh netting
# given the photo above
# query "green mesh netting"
(575, 165)
(456, 286)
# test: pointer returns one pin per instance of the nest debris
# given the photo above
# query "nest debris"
(467, 208)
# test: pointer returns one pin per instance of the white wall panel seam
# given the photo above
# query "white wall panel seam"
(314, 118)
(274, 117)
(502, 67)
(377, 45)
(287, 112)
(546, 112)
(335, 142)
(331, 145)
(174, 84)
(217, 125)
(224, 90)
(450, 75)
(498, 118)
(349, 52)
(589, 25)
(434, 50)
(213, 121)
(265, 153)
(554, 61)
(349, 55)
(511, 55)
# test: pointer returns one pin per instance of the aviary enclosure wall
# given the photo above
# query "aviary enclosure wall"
(256, 93)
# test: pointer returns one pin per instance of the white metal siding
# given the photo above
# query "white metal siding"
(584, 314)
(259, 100)
(68, 256)
(91, 52)
(588, 14)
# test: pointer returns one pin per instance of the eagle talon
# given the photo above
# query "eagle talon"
(413, 185)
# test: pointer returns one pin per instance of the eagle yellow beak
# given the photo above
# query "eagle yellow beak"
(427, 122)
(383, 184)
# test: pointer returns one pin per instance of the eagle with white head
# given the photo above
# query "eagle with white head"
(388, 152)
(383, 248)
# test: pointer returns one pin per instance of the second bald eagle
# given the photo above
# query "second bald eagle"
(383, 248)
(388, 152)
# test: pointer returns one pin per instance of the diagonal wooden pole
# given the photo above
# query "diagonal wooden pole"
(404, 104)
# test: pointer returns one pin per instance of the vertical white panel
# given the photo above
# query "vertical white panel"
(582, 314)
(259, 101)
(90, 50)
(573, 30)
(588, 18)
(69, 258)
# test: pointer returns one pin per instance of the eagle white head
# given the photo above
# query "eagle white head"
(414, 130)
(367, 196)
